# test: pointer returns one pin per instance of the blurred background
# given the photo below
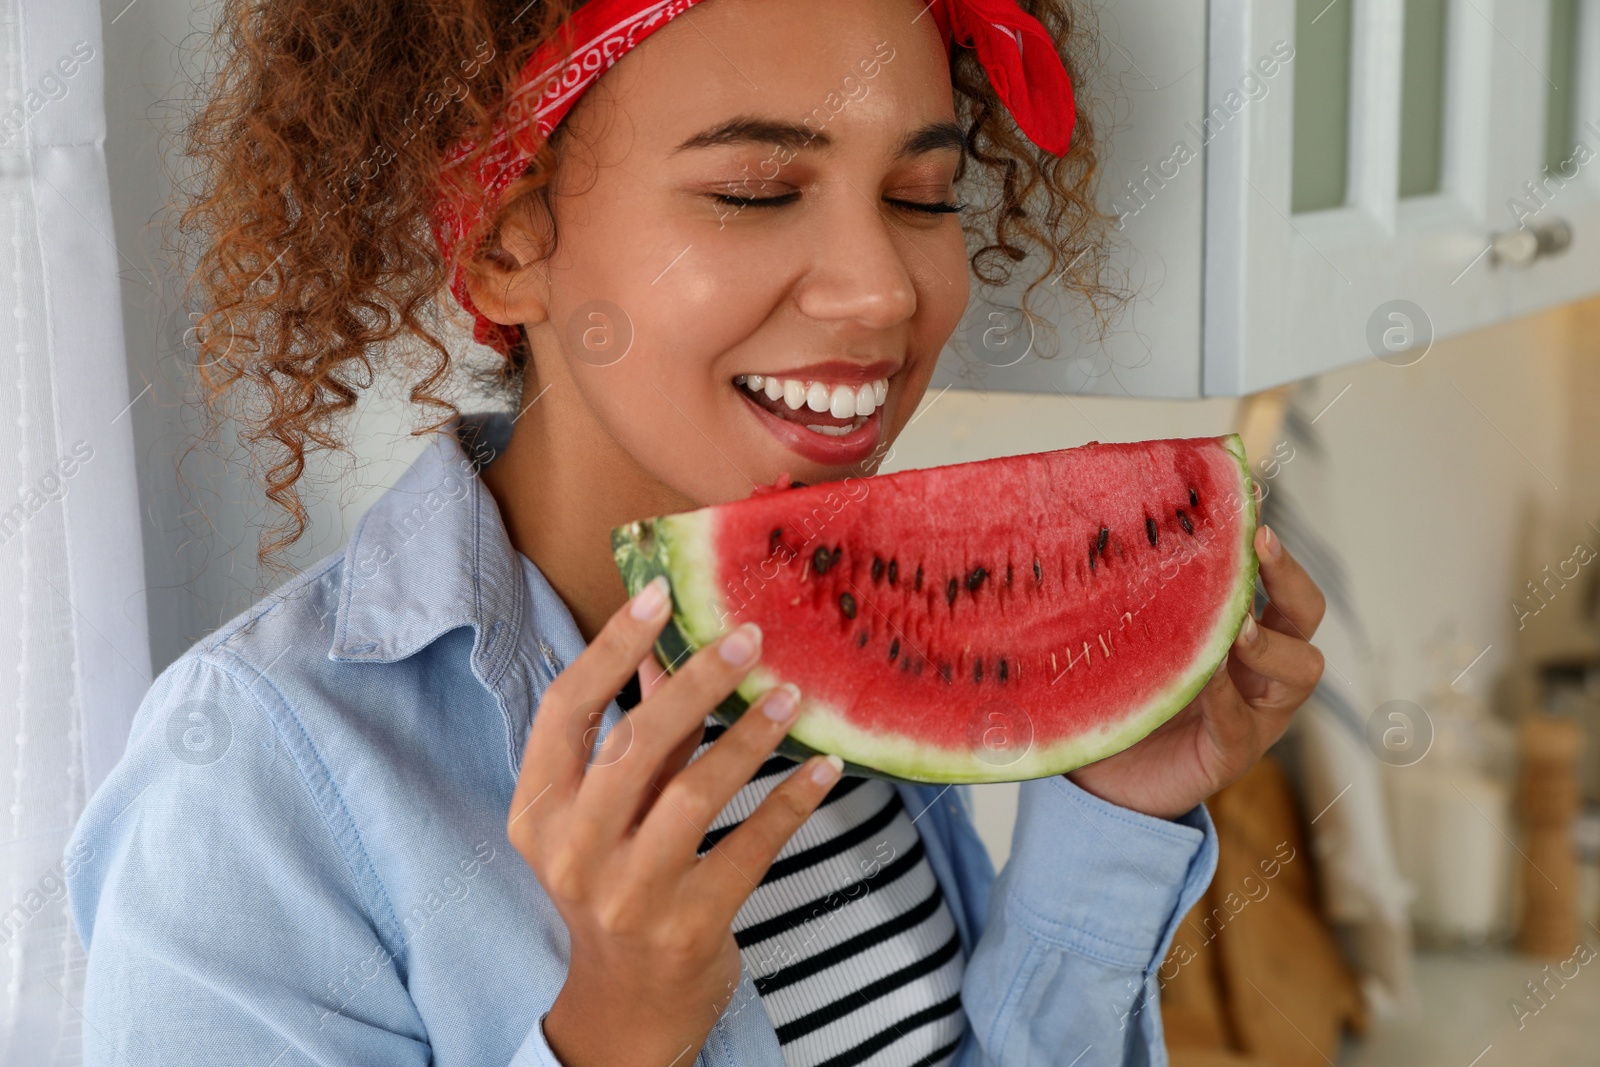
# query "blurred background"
(1365, 234)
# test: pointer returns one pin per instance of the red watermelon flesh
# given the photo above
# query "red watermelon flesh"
(987, 621)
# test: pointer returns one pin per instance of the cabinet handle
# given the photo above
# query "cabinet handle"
(1520, 247)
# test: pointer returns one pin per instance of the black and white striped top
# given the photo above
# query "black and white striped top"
(847, 937)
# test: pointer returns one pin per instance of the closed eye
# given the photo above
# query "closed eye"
(940, 208)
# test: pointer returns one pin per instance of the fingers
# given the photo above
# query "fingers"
(1287, 669)
(1249, 705)
(1297, 604)
(650, 676)
(732, 870)
(561, 738)
(693, 798)
(676, 760)
(626, 767)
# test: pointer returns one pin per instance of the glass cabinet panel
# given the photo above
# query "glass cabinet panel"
(1560, 128)
(1322, 40)
(1422, 91)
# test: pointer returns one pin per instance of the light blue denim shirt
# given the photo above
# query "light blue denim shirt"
(302, 856)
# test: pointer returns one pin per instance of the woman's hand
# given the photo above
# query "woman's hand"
(614, 844)
(1270, 670)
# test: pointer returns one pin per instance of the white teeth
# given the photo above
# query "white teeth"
(841, 401)
(832, 431)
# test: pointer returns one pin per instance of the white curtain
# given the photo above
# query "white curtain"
(74, 647)
(1363, 894)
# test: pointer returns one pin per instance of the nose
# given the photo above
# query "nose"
(859, 256)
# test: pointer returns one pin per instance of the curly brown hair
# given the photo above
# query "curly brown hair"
(313, 159)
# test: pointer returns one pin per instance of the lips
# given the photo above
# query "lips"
(825, 420)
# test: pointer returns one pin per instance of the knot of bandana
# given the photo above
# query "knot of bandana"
(1015, 50)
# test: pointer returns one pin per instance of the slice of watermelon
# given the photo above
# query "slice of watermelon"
(993, 621)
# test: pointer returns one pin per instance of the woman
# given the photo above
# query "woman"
(394, 813)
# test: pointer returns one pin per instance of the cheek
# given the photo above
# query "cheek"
(664, 303)
(664, 403)
(942, 278)
(944, 287)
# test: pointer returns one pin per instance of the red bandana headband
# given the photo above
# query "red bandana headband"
(1015, 49)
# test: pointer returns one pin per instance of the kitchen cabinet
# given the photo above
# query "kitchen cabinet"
(1306, 184)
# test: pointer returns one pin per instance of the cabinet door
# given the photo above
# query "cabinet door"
(1562, 192)
(1351, 210)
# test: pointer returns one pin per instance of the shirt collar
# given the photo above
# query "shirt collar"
(432, 554)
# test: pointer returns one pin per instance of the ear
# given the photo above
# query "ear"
(509, 280)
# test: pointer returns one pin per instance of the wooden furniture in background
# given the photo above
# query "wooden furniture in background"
(1254, 978)
(1548, 798)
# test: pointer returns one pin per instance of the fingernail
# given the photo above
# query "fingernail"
(780, 703)
(827, 772)
(741, 645)
(649, 601)
(1247, 632)
(1274, 546)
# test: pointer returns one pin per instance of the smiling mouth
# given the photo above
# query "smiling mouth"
(829, 409)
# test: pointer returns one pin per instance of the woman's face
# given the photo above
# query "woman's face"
(696, 338)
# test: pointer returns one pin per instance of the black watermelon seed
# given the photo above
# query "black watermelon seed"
(1008, 576)
(1183, 520)
(894, 649)
(1038, 573)
(1194, 498)
(977, 671)
(847, 604)
(944, 671)
(773, 538)
(1092, 555)
(861, 638)
(1100, 545)
(1150, 530)
(877, 568)
(975, 579)
(894, 571)
(822, 559)
(916, 583)
(1002, 670)
(950, 591)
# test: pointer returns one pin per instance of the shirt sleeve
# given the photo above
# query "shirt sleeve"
(223, 896)
(1078, 923)
(535, 1051)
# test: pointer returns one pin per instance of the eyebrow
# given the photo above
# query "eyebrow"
(936, 136)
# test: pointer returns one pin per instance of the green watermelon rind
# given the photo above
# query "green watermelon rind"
(649, 548)
(678, 546)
